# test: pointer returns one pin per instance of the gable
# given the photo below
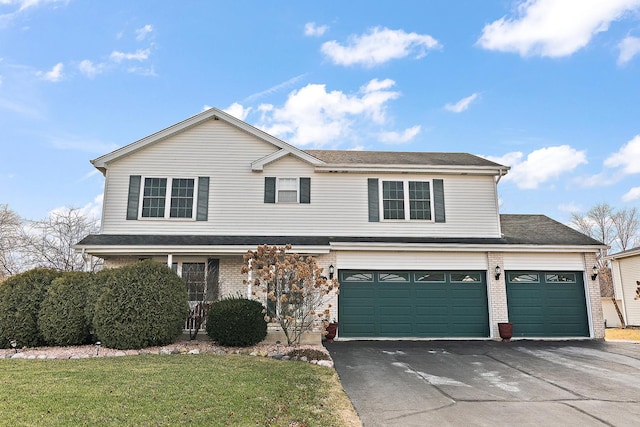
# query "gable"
(176, 132)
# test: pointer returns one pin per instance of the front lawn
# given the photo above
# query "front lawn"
(627, 334)
(168, 390)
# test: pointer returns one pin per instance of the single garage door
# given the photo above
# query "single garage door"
(547, 304)
(413, 304)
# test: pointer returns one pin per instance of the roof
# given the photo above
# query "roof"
(625, 254)
(323, 160)
(400, 158)
(519, 229)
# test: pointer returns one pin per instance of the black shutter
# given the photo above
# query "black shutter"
(213, 275)
(374, 200)
(438, 200)
(305, 190)
(134, 196)
(269, 189)
(202, 212)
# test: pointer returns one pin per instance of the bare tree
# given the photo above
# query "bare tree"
(617, 229)
(10, 232)
(49, 242)
(627, 227)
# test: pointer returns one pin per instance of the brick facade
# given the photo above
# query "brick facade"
(498, 311)
(594, 302)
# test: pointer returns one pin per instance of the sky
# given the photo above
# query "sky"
(550, 88)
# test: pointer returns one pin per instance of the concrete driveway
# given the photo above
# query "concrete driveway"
(490, 383)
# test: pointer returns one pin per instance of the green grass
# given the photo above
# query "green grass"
(170, 390)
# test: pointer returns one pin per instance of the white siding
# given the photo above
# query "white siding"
(411, 260)
(629, 273)
(339, 205)
(544, 261)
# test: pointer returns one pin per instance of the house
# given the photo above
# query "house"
(625, 270)
(415, 239)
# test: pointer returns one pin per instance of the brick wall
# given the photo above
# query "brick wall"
(593, 295)
(498, 311)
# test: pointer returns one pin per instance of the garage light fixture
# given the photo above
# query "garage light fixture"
(497, 271)
(594, 270)
(331, 271)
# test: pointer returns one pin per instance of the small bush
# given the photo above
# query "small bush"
(62, 319)
(140, 305)
(20, 299)
(236, 322)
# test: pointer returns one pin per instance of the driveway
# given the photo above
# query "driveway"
(490, 383)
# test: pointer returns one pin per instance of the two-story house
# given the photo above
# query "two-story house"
(416, 239)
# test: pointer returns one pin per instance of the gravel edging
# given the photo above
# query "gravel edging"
(275, 351)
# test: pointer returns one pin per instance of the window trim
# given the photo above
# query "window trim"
(407, 201)
(297, 189)
(167, 199)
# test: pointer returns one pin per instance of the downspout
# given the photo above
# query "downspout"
(249, 279)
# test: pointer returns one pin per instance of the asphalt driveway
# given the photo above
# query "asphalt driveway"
(490, 383)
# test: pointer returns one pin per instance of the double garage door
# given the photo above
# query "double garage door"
(413, 304)
(421, 304)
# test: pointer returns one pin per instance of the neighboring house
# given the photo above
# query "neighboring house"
(625, 269)
(416, 239)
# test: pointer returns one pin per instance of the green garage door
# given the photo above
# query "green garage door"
(547, 304)
(406, 304)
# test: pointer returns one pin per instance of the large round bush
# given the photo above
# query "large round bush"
(20, 299)
(140, 305)
(62, 319)
(237, 322)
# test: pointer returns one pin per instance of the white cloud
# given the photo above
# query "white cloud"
(87, 145)
(540, 165)
(378, 46)
(138, 55)
(311, 29)
(627, 158)
(142, 33)
(461, 105)
(629, 47)
(16, 7)
(631, 195)
(90, 69)
(238, 111)
(570, 207)
(311, 115)
(55, 75)
(553, 28)
(400, 137)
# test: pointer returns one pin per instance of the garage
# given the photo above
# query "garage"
(547, 304)
(413, 304)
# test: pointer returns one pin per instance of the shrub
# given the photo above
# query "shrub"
(236, 322)
(95, 286)
(20, 299)
(62, 318)
(140, 305)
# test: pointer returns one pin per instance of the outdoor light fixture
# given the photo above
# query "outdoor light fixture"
(98, 344)
(331, 271)
(594, 270)
(497, 271)
(14, 344)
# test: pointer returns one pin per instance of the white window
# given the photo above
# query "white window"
(406, 200)
(287, 190)
(168, 198)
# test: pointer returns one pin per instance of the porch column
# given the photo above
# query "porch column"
(169, 260)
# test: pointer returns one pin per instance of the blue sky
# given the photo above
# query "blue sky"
(548, 87)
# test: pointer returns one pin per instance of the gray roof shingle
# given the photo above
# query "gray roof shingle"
(519, 229)
(400, 158)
